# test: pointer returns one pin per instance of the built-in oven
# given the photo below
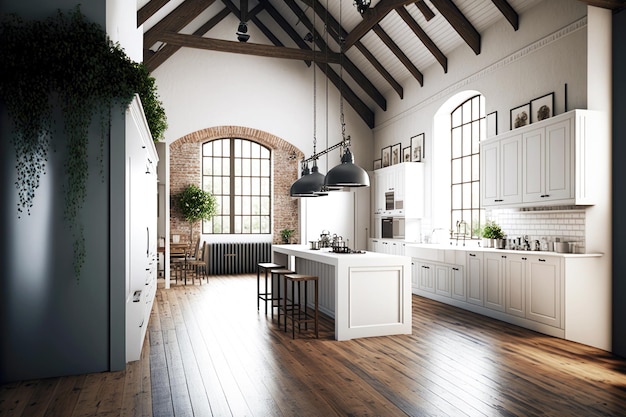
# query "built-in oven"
(389, 200)
(392, 227)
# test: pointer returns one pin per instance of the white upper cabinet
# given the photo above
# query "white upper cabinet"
(545, 163)
(501, 179)
(406, 182)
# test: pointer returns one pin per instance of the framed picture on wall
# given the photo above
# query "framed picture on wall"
(396, 154)
(542, 108)
(385, 155)
(406, 154)
(492, 124)
(417, 148)
(378, 163)
(520, 116)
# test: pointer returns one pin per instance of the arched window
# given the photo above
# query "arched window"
(238, 173)
(468, 128)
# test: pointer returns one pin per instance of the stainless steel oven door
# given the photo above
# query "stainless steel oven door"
(389, 200)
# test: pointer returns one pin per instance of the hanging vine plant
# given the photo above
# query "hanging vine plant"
(67, 62)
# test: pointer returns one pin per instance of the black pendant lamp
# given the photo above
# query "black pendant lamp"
(310, 183)
(347, 174)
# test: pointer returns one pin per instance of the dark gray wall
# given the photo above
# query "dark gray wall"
(619, 184)
(51, 322)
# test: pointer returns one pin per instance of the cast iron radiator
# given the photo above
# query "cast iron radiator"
(237, 257)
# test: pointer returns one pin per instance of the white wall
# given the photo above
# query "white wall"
(201, 89)
(548, 51)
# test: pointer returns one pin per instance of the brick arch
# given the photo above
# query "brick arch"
(186, 168)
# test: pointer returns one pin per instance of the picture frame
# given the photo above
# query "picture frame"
(406, 154)
(385, 156)
(520, 116)
(492, 124)
(542, 108)
(396, 154)
(378, 163)
(417, 148)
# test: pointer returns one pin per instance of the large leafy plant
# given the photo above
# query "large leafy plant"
(69, 63)
(195, 205)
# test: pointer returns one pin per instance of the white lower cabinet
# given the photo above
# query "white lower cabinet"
(425, 275)
(544, 290)
(474, 264)
(493, 267)
(515, 285)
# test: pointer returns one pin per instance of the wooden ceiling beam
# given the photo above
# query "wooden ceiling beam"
(459, 23)
(337, 32)
(149, 9)
(176, 20)
(381, 70)
(247, 48)
(419, 32)
(614, 5)
(284, 24)
(252, 16)
(398, 53)
(155, 59)
(352, 70)
(426, 11)
(366, 114)
(508, 12)
(371, 18)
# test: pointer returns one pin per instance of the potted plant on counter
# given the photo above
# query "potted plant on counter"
(492, 235)
(286, 235)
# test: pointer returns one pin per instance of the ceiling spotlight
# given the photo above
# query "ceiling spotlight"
(362, 5)
(242, 32)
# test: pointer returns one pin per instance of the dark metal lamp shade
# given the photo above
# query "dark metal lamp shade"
(309, 184)
(347, 174)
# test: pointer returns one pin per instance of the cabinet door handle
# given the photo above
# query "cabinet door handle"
(541, 260)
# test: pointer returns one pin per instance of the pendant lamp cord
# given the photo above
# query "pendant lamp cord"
(314, 86)
(341, 46)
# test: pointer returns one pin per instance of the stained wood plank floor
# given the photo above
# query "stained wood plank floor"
(209, 353)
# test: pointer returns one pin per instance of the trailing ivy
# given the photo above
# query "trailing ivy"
(68, 62)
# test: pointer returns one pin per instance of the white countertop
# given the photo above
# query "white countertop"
(475, 248)
(325, 255)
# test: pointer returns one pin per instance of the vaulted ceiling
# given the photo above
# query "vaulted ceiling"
(385, 47)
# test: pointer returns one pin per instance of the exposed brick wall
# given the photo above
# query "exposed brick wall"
(186, 168)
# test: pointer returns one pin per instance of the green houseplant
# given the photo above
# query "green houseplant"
(195, 205)
(491, 231)
(67, 63)
(286, 235)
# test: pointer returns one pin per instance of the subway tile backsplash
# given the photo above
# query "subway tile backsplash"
(551, 223)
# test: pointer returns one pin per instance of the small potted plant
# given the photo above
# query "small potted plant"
(492, 235)
(286, 235)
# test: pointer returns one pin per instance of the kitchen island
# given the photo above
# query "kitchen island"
(368, 294)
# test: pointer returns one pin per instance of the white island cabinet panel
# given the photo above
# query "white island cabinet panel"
(372, 291)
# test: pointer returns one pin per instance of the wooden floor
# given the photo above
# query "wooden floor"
(209, 353)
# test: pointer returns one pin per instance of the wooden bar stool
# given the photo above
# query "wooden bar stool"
(277, 293)
(299, 313)
(266, 295)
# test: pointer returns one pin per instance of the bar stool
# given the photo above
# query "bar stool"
(277, 294)
(267, 292)
(299, 311)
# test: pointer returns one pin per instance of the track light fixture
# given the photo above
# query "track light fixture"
(362, 5)
(242, 32)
